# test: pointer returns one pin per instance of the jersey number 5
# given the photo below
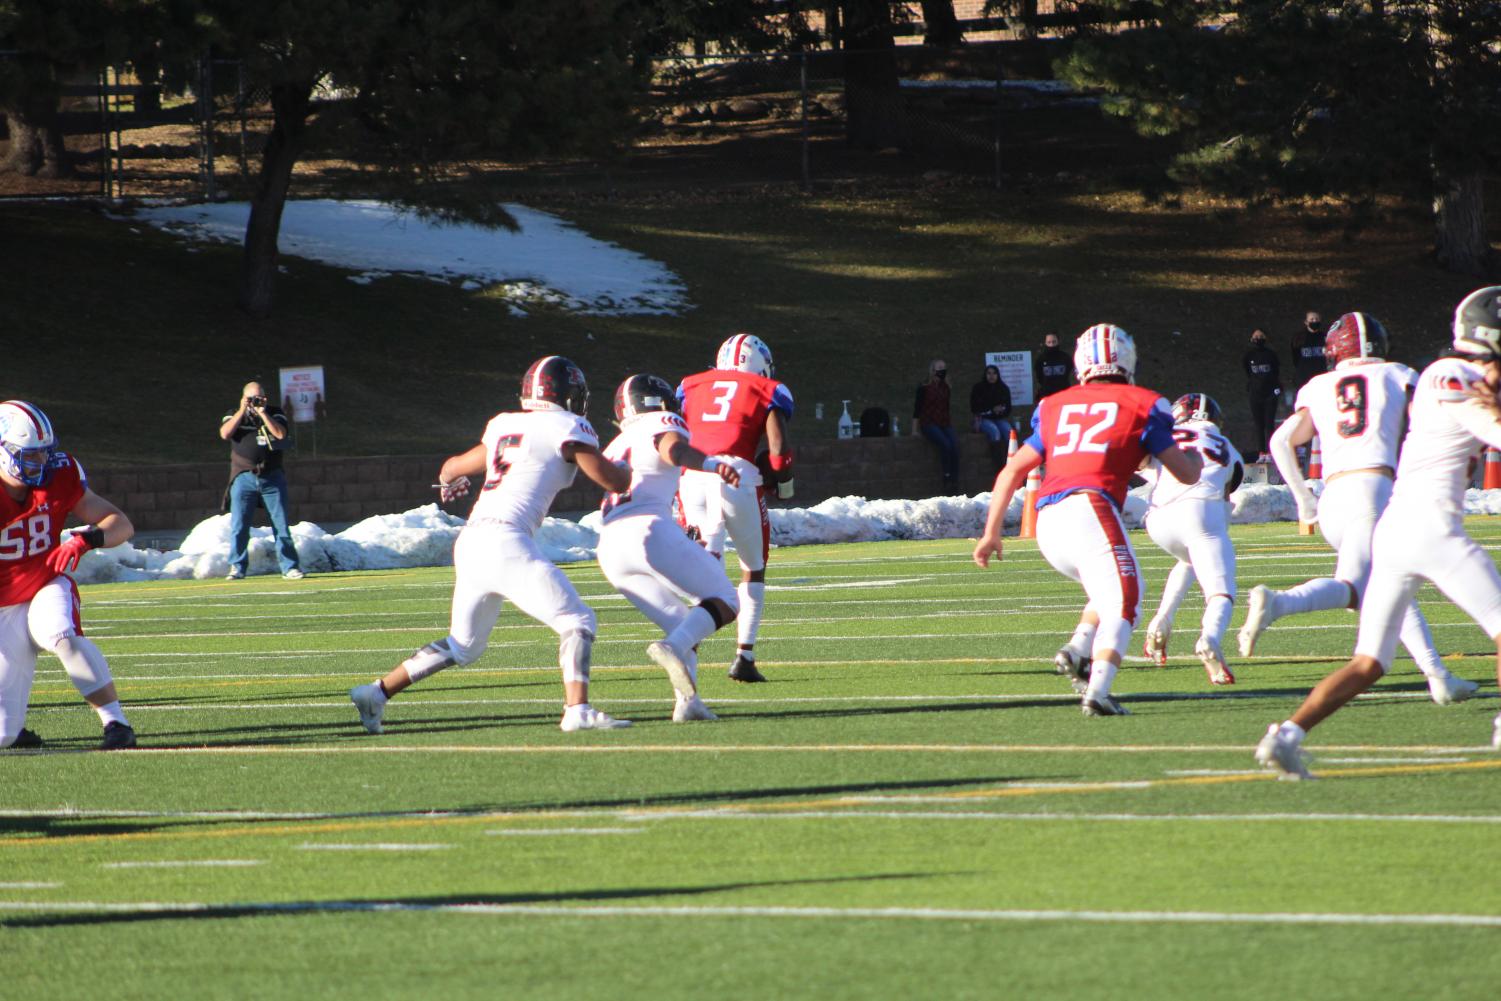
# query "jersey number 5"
(1080, 427)
(14, 543)
(499, 465)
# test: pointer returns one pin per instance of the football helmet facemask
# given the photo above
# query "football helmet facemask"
(1103, 350)
(642, 394)
(554, 383)
(1477, 323)
(745, 353)
(1355, 335)
(27, 443)
(1196, 407)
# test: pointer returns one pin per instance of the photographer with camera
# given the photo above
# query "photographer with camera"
(257, 433)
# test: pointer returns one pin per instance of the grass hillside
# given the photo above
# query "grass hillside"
(131, 341)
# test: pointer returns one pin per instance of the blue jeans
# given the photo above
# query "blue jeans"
(270, 490)
(995, 428)
(948, 449)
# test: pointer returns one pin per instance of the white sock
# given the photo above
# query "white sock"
(111, 713)
(695, 627)
(1419, 642)
(1318, 595)
(1101, 677)
(1179, 579)
(1216, 617)
(1082, 642)
(1292, 732)
(748, 622)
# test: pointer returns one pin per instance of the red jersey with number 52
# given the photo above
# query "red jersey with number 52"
(726, 410)
(1094, 436)
(31, 530)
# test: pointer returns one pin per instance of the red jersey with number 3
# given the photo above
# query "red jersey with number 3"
(31, 529)
(1094, 436)
(726, 410)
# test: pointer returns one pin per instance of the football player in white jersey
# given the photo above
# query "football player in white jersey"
(1421, 534)
(526, 457)
(1357, 409)
(1192, 523)
(643, 551)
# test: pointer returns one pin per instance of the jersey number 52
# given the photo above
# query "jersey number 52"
(1080, 427)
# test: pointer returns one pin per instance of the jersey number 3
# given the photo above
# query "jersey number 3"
(724, 395)
(1080, 427)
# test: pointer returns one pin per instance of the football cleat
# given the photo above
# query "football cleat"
(1154, 645)
(1284, 755)
(1208, 651)
(371, 702)
(1073, 667)
(554, 383)
(1448, 689)
(117, 737)
(1259, 615)
(744, 669)
(586, 717)
(293, 574)
(1354, 335)
(668, 660)
(692, 710)
(28, 445)
(26, 740)
(1104, 705)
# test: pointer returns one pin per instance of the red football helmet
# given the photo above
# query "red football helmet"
(1355, 335)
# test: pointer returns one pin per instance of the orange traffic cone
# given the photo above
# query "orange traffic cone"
(1315, 460)
(1011, 445)
(1492, 469)
(1029, 506)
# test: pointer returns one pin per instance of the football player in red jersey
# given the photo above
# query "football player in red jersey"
(1094, 436)
(39, 607)
(728, 409)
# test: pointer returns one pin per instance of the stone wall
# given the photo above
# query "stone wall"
(336, 492)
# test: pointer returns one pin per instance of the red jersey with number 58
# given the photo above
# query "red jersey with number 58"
(1094, 436)
(31, 529)
(726, 410)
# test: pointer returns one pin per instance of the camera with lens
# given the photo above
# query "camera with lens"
(256, 401)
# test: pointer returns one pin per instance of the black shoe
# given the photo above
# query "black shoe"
(744, 669)
(26, 740)
(117, 737)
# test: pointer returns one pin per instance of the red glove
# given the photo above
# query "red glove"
(64, 559)
(453, 491)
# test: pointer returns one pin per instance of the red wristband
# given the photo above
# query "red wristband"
(781, 462)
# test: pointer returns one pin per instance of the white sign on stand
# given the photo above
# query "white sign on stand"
(1016, 373)
(302, 392)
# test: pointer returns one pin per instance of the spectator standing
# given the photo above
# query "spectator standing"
(990, 410)
(930, 418)
(1263, 389)
(1053, 368)
(257, 433)
(1308, 350)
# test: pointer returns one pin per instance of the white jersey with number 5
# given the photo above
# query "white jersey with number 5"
(1357, 411)
(525, 467)
(1220, 462)
(654, 482)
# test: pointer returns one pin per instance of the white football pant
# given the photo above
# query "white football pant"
(649, 560)
(715, 508)
(51, 616)
(1197, 533)
(1083, 538)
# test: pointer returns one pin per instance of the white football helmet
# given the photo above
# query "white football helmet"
(1477, 323)
(745, 353)
(1105, 349)
(27, 443)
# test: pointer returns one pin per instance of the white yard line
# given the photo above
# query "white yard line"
(29, 886)
(382, 846)
(378, 747)
(565, 831)
(823, 913)
(185, 864)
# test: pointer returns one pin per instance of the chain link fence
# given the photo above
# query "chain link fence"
(709, 121)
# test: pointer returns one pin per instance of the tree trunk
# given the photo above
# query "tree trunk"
(872, 95)
(940, 24)
(290, 104)
(1459, 220)
(36, 139)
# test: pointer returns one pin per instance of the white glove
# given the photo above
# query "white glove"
(1308, 509)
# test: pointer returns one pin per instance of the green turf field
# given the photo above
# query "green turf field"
(913, 807)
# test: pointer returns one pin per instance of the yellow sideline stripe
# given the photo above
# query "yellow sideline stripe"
(341, 827)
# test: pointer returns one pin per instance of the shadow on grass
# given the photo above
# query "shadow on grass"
(476, 903)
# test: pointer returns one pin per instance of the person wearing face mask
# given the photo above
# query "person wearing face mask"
(930, 418)
(1308, 349)
(1263, 389)
(990, 408)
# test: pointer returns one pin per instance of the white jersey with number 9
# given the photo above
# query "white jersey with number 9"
(1357, 411)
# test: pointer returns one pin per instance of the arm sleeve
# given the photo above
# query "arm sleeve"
(582, 432)
(1035, 438)
(1157, 435)
(1478, 419)
(781, 399)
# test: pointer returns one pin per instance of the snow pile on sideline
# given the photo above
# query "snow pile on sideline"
(424, 537)
(546, 260)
